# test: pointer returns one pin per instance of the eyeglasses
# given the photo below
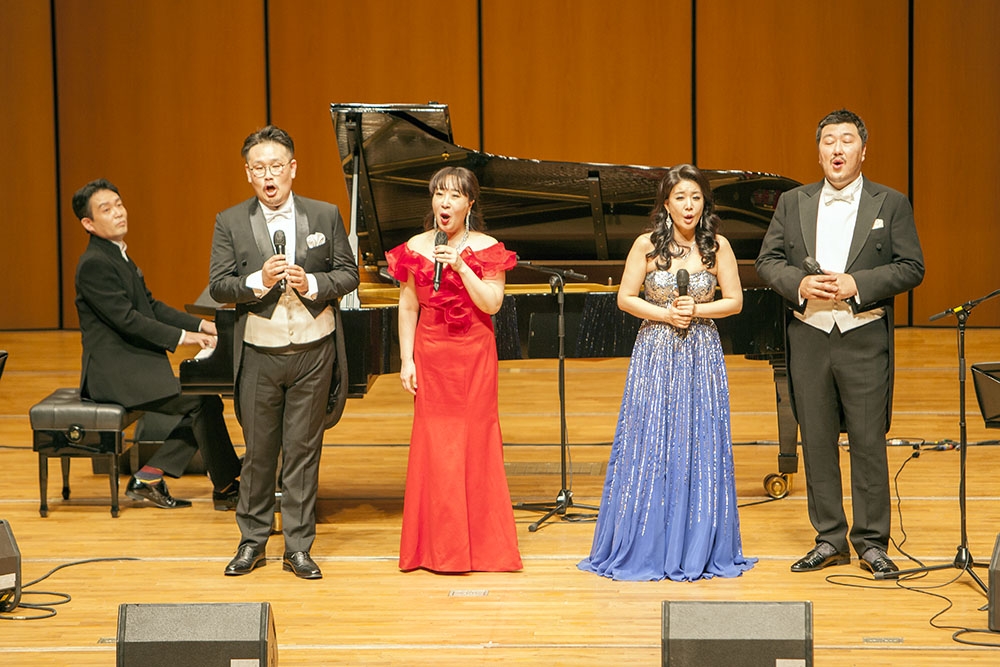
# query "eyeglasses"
(261, 170)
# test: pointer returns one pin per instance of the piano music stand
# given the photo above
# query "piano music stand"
(963, 558)
(564, 499)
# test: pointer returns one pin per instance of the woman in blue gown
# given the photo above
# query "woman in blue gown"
(668, 509)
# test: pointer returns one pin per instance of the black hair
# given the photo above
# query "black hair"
(463, 180)
(843, 116)
(81, 198)
(665, 247)
(265, 134)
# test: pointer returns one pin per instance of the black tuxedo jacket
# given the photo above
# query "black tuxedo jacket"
(240, 246)
(125, 331)
(885, 258)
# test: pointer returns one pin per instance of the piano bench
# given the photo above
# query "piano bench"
(66, 426)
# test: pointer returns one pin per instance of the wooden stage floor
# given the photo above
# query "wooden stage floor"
(365, 612)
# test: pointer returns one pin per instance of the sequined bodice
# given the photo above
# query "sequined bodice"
(661, 287)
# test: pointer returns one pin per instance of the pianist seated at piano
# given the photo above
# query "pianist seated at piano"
(457, 513)
(668, 508)
(126, 334)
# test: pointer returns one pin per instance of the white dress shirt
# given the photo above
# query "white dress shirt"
(291, 323)
(835, 223)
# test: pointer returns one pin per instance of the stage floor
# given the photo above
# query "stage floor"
(365, 612)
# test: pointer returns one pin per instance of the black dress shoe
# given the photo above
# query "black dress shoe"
(247, 560)
(302, 565)
(877, 562)
(817, 560)
(226, 500)
(155, 493)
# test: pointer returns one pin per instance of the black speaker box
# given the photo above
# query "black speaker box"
(207, 635)
(10, 569)
(723, 634)
(994, 588)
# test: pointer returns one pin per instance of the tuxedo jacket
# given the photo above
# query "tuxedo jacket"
(884, 259)
(240, 246)
(125, 331)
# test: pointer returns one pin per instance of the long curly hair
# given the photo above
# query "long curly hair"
(665, 247)
(463, 180)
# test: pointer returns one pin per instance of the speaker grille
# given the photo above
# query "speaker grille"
(715, 633)
(207, 634)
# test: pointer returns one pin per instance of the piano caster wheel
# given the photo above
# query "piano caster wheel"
(777, 485)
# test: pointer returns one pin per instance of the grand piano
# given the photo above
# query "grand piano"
(580, 217)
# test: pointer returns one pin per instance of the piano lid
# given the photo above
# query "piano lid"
(578, 215)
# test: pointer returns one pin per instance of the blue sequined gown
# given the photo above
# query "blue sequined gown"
(668, 509)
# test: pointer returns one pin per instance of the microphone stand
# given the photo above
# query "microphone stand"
(963, 558)
(564, 499)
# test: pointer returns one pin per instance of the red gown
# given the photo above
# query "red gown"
(457, 514)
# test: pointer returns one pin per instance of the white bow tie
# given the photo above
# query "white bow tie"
(838, 196)
(283, 214)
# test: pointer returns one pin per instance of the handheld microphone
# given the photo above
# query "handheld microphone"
(279, 249)
(683, 280)
(439, 239)
(810, 265)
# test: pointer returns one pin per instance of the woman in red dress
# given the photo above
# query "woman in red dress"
(457, 514)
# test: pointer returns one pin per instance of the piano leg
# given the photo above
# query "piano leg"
(276, 520)
(778, 485)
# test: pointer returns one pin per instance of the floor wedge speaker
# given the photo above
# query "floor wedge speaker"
(749, 634)
(234, 634)
(994, 588)
(10, 569)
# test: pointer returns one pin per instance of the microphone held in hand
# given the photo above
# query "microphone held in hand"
(279, 249)
(439, 239)
(810, 265)
(683, 280)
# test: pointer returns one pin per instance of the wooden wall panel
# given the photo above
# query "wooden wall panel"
(768, 71)
(31, 254)
(956, 105)
(157, 97)
(378, 52)
(588, 80)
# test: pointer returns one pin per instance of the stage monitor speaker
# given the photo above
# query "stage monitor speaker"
(994, 588)
(749, 634)
(10, 569)
(986, 379)
(233, 634)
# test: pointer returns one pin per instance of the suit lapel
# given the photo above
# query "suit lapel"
(259, 228)
(868, 209)
(808, 213)
(301, 232)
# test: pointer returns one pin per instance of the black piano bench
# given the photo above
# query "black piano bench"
(66, 426)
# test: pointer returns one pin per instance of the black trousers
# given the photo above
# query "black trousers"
(844, 373)
(211, 438)
(283, 401)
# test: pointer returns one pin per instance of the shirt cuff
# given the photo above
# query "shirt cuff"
(255, 281)
(313, 287)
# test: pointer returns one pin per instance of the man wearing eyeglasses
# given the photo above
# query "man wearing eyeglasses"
(284, 260)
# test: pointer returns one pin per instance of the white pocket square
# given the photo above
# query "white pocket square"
(317, 239)
(878, 224)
